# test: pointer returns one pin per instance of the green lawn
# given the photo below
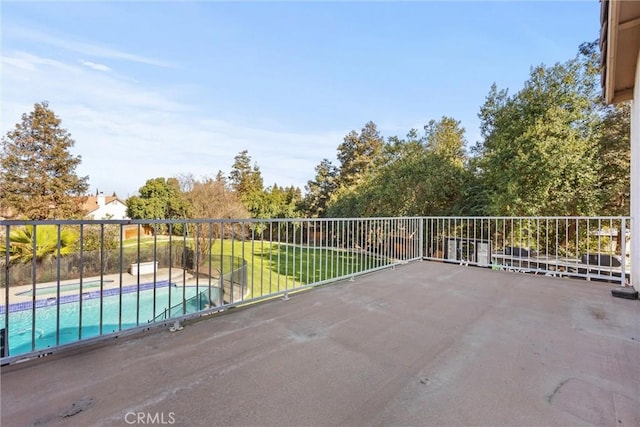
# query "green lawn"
(308, 265)
(271, 267)
(263, 277)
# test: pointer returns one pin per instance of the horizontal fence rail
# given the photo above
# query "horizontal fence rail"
(65, 283)
(592, 248)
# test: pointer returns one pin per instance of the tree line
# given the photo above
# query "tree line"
(241, 194)
(553, 148)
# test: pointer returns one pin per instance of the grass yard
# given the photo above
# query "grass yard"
(309, 265)
(273, 267)
(263, 277)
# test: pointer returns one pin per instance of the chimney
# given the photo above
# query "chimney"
(101, 200)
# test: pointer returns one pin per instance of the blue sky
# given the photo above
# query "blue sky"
(151, 89)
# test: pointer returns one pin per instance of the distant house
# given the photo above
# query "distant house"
(104, 207)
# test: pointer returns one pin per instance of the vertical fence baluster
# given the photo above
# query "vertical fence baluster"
(138, 238)
(623, 251)
(58, 258)
(196, 261)
(34, 289)
(81, 268)
(209, 251)
(185, 266)
(236, 228)
(102, 251)
(7, 306)
(222, 279)
(121, 263)
(270, 256)
(155, 273)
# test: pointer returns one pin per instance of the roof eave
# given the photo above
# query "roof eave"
(611, 47)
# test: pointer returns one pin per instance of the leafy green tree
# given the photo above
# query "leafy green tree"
(472, 200)
(292, 201)
(320, 189)
(100, 246)
(283, 202)
(614, 160)
(551, 148)
(247, 181)
(160, 198)
(37, 171)
(538, 153)
(421, 185)
(445, 138)
(45, 237)
(245, 178)
(419, 176)
(397, 148)
(359, 154)
(97, 237)
(352, 202)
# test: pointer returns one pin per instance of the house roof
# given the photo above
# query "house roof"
(91, 203)
(619, 44)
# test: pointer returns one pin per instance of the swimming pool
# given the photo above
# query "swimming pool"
(49, 290)
(117, 312)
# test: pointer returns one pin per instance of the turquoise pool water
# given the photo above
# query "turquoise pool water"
(116, 316)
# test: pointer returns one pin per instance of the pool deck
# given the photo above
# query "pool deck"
(425, 344)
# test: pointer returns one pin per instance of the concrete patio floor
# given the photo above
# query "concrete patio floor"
(426, 344)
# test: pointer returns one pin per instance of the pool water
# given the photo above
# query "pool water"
(135, 310)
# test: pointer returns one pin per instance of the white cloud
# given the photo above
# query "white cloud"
(95, 66)
(29, 62)
(127, 133)
(90, 49)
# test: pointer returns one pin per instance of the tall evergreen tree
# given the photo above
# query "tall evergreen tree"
(420, 176)
(245, 178)
(445, 138)
(320, 189)
(247, 181)
(359, 153)
(37, 171)
(397, 148)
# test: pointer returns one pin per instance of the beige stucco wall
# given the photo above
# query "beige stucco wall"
(635, 181)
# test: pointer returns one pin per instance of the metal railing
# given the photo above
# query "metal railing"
(196, 303)
(65, 283)
(592, 248)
